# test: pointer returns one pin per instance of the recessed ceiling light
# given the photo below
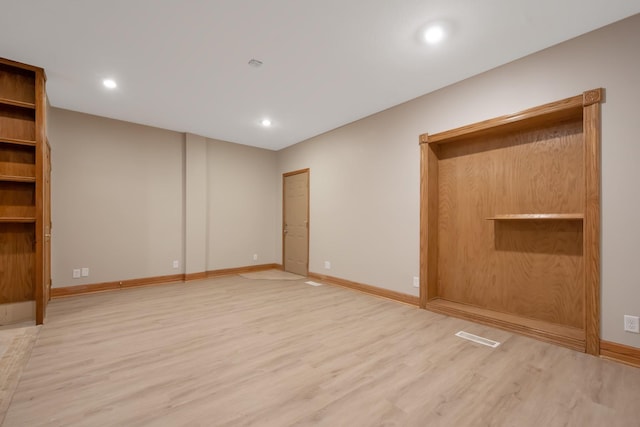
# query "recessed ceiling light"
(109, 83)
(266, 122)
(434, 34)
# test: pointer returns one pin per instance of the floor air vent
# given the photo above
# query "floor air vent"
(313, 283)
(479, 340)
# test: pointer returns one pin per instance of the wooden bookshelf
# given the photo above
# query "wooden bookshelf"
(24, 213)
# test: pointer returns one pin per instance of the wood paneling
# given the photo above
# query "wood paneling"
(367, 289)
(17, 84)
(17, 123)
(621, 353)
(17, 161)
(513, 223)
(17, 200)
(529, 268)
(17, 263)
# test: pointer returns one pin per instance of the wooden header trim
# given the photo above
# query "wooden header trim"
(565, 109)
(592, 96)
(298, 172)
(17, 64)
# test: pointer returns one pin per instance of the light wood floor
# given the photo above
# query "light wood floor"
(236, 352)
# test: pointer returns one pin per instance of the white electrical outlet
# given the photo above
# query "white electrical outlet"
(176, 263)
(416, 282)
(76, 273)
(255, 257)
(632, 324)
(85, 271)
(327, 265)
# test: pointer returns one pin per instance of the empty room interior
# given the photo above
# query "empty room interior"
(356, 213)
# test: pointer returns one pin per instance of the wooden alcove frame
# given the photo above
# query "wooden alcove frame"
(585, 106)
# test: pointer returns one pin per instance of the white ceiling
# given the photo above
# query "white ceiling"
(182, 64)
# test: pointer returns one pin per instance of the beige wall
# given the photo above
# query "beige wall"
(195, 204)
(116, 191)
(365, 176)
(128, 200)
(364, 201)
(242, 204)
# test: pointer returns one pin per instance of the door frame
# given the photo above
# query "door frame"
(285, 175)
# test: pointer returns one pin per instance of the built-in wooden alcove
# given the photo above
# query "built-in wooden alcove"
(510, 222)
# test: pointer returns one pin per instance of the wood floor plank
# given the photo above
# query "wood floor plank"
(232, 351)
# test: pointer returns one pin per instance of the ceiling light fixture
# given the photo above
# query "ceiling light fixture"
(109, 83)
(434, 34)
(255, 63)
(266, 122)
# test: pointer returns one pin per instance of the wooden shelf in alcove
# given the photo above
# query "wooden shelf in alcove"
(17, 178)
(537, 217)
(17, 219)
(17, 141)
(466, 172)
(15, 103)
